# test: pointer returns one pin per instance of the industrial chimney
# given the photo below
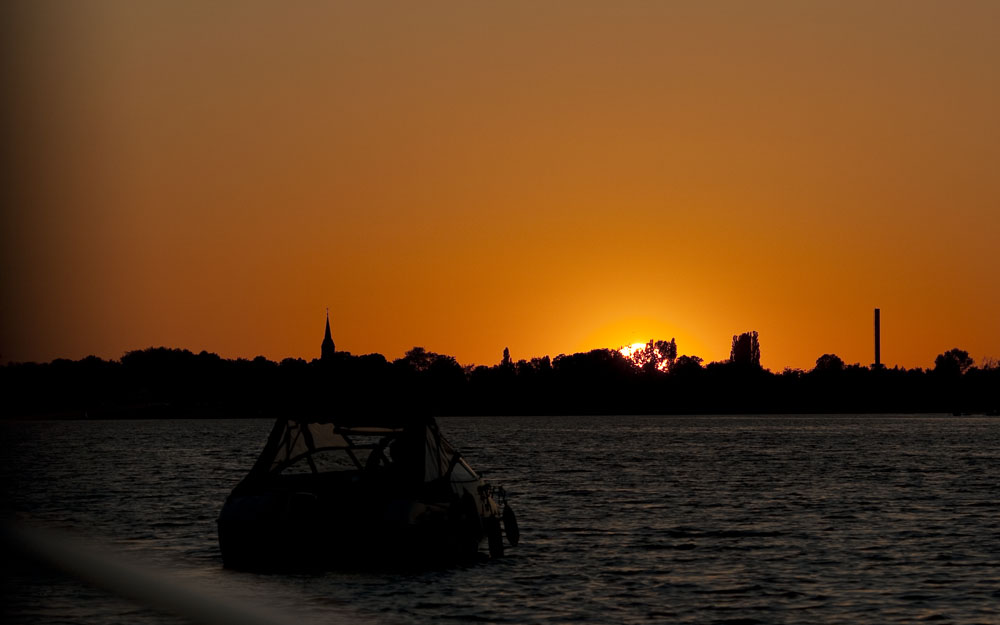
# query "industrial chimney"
(878, 341)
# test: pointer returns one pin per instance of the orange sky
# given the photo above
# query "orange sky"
(465, 176)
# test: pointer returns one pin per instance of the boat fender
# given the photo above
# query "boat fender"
(510, 526)
(494, 534)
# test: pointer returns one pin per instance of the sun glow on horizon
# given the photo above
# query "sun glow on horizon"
(629, 351)
(640, 354)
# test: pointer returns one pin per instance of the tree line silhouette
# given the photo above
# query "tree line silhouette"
(164, 382)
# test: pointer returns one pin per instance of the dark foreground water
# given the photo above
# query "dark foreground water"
(811, 519)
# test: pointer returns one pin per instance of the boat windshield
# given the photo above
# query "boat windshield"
(323, 448)
(304, 447)
(358, 452)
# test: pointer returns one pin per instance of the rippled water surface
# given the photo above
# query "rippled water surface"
(811, 519)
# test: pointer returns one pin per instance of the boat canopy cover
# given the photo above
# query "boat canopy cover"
(416, 447)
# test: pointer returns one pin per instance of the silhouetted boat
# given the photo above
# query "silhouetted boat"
(366, 491)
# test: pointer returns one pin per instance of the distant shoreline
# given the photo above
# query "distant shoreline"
(162, 383)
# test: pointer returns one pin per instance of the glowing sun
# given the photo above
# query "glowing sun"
(630, 351)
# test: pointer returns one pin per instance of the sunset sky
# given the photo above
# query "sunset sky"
(549, 176)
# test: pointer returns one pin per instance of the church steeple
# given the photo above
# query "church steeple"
(327, 349)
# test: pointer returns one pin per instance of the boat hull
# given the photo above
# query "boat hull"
(280, 530)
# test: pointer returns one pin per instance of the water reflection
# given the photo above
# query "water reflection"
(701, 519)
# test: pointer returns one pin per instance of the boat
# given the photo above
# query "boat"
(359, 491)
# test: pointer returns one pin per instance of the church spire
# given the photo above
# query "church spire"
(327, 349)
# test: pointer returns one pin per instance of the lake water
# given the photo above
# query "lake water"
(787, 519)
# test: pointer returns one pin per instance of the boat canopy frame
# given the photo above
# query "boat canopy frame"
(291, 440)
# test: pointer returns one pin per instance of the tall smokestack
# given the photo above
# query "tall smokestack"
(878, 341)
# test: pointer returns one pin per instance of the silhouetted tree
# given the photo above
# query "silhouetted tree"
(542, 364)
(745, 350)
(686, 365)
(953, 362)
(656, 356)
(417, 359)
(829, 363)
(445, 372)
(534, 367)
